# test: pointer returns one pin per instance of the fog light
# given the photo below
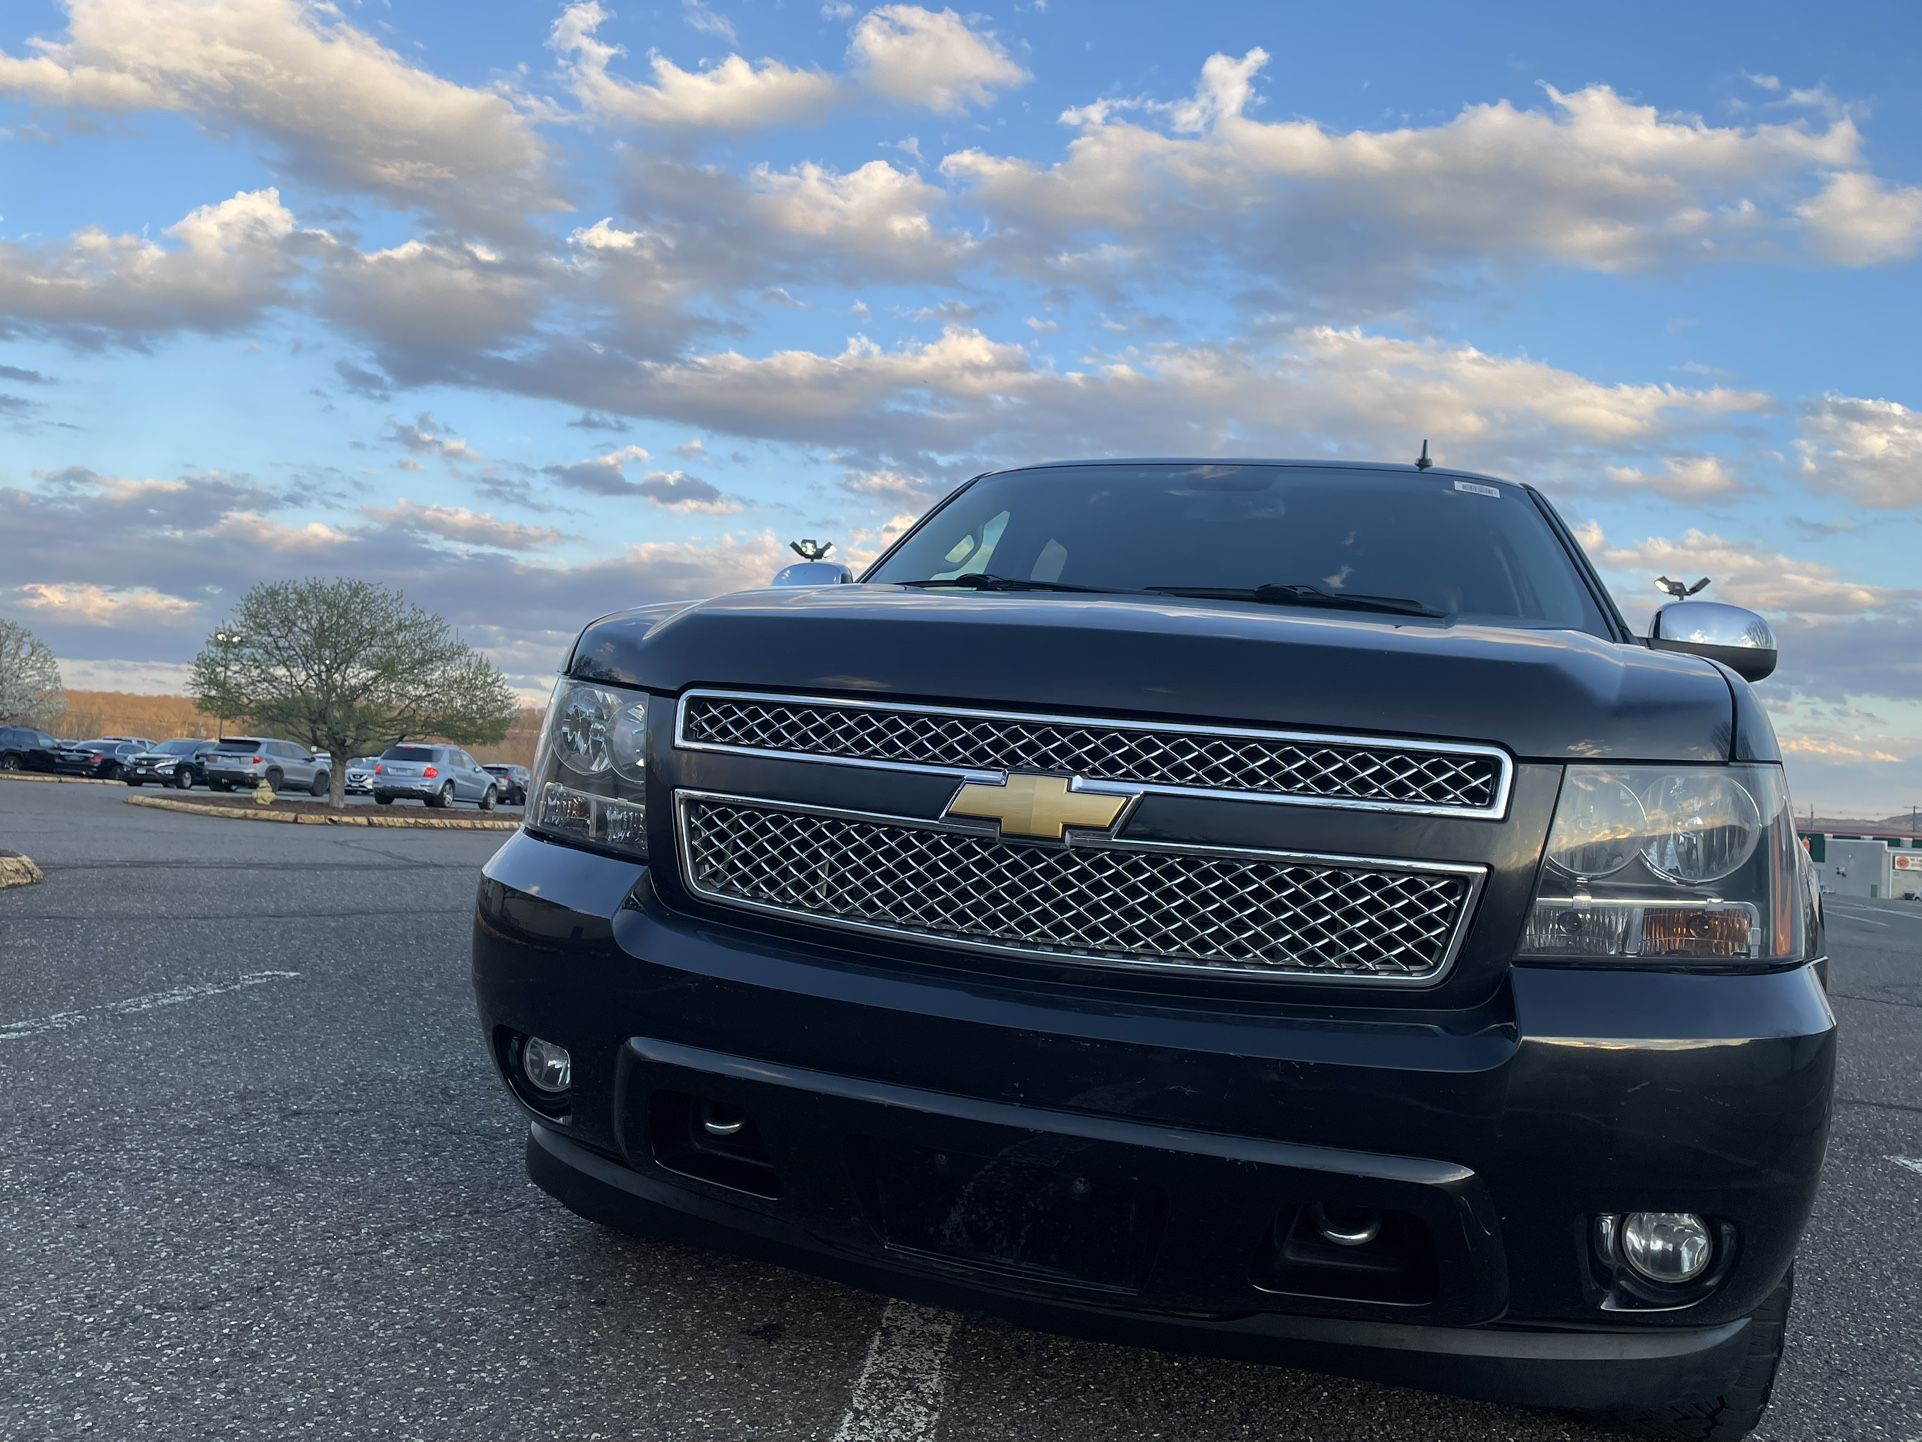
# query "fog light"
(546, 1065)
(1666, 1247)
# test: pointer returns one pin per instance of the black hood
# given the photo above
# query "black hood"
(1545, 695)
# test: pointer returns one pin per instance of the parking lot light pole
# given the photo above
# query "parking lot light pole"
(226, 641)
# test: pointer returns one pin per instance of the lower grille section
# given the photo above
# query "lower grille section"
(1111, 904)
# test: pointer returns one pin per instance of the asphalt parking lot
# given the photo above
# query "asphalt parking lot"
(259, 1182)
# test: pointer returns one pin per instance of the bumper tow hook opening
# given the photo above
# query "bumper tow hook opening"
(718, 1121)
(1347, 1226)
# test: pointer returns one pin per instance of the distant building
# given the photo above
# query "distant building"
(1872, 863)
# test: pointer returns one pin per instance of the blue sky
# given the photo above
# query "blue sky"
(577, 305)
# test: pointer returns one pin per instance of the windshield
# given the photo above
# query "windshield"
(361, 763)
(1461, 550)
(179, 748)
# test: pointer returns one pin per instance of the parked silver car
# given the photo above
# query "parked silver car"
(438, 775)
(360, 775)
(245, 761)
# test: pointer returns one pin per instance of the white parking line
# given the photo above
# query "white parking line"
(1914, 1164)
(1857, 918)
(1886, 912)
(152, 1001)
(898, 1396)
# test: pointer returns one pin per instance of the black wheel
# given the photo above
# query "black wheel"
(9, 762)
(184, 779)
(111, 771)
(275, 776)
(443, 798)
(133, 781)
(488, 799)
(318, 786)
(383, 801)
(1738, 1407)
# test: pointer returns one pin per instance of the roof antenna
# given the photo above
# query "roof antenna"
(1422, 462)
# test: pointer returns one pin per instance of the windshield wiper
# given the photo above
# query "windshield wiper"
(982, 581)
(1275, 594)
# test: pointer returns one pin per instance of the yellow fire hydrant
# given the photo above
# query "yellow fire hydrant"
(263, 793)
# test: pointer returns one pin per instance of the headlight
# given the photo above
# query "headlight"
(590, 769)
(1669, 864)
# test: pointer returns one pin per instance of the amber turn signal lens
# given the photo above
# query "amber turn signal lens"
(1704, 932)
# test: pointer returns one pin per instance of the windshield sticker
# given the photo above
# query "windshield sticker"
(1478, 489)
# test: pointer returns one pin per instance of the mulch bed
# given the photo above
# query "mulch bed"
(308, 806)
(241, 806)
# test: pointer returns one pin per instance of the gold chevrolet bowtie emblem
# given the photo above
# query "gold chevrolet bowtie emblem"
(1038, 806)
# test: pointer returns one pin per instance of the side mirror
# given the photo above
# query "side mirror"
(813, 573)
(1739, 639)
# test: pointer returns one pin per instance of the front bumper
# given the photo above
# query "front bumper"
(1191, 1130)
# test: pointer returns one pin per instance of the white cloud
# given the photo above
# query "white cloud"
(230, 262)
(1869, 451)
(457, 523)
(1860, 220)
(732, 94)
(1591, 179)
(1745, 573)
(875, 213)
(342, 109)
(1313, 390)
(671, 490)
(425, 436)
(931, 58)
(425, 304)
(678, 491)
(893, 488)
(1683, 477)
(708, 22)
(92, 605)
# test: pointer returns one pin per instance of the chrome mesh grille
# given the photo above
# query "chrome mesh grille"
(1387, 773)
(1109, 904)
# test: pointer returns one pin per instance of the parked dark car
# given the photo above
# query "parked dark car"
(513, 782)
(175, 763)
(1275, 908)
(26, 748)
(436, 774)
(103, 758)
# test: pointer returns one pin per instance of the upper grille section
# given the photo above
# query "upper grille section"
(1113, 903)
(1278, 766)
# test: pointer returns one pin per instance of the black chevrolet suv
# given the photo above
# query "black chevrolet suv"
(1271, 908)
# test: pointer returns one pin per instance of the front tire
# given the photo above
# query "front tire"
(1735, 1410)
(319, 785)
(183, 780)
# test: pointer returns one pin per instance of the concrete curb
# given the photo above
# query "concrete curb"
(17, 870)
(61, 780)
(295, 818)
